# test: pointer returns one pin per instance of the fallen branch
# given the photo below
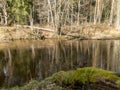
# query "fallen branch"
(77, 36)
(38, 28)
(33, 34)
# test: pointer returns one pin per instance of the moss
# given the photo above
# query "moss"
(32, 85)
(46, 84)
(64, 77)
(91, 74)
(118, 83)
(85, 76)
(15, 88)
(63, 80)
(59, 77)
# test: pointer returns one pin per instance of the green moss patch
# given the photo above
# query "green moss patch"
(88, 78)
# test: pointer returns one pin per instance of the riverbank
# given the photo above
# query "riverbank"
(86, 31)
(79, 79)
(92, 32)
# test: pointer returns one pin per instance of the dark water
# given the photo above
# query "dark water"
(22, 61)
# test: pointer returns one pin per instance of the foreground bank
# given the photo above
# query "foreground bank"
(88, 78)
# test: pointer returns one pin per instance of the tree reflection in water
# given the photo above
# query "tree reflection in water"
(37, 61)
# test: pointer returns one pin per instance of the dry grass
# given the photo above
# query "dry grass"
(90, 31)
(87, 31)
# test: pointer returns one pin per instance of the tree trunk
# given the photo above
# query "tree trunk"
(4, 3)
(95, 13)
(50, 7)
(98, 11)
(78, 17)
(111, 12)
(118, 15)
(31, 19)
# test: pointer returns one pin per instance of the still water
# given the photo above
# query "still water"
(21, 61)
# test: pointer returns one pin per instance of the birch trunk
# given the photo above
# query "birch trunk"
(78, 19)
(111, 12)
(4, 3)
(118, 15)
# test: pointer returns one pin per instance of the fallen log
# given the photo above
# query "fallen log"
(75, 35)
(38, 28)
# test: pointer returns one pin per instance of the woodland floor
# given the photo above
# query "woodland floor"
(86, 31)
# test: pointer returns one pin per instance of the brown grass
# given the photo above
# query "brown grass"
(90, 31)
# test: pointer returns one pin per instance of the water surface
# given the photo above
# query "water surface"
(21, 61)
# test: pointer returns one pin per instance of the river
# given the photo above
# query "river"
(21, 61)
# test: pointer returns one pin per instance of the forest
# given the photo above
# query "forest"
(59, 44)
(59, 13)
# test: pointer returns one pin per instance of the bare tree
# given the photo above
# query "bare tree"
(4, 6)
(111, 12)
(118, 14)
(98, 11)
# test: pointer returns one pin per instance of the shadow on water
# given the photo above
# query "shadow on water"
(27, 60)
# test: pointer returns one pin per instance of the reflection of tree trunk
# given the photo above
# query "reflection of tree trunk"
(77, 51)
(71, 62)
(60, 53)
(57, 55)
(8, 68)
(101, 59)
(116, 56)
(53, 60)
(10, 57)
(108, 56)
(33, 51)
(94, 49)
